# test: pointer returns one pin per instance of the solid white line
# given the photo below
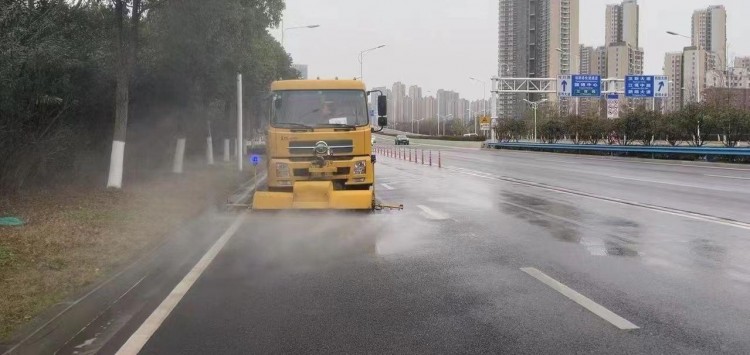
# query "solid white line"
(389, 187)
(446, 146)
(582, 300)
(432, 214)
(728, 177)
(685, 214)
(677, 184)
(136, 341)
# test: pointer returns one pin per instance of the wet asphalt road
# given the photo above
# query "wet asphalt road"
(663, 245)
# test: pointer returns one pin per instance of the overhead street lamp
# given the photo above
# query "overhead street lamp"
(473, 119)
(535, 107)
(362, 57)
(678, 35)
(283, 30)
(484, 94)
(445, 122)
(419, 131)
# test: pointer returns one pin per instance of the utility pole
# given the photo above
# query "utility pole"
(240, 141)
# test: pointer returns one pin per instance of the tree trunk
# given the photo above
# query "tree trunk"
(226, 149)
(179, 156)
(122, 99)
(126, 42)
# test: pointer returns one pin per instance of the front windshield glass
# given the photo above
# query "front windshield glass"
(317, 108)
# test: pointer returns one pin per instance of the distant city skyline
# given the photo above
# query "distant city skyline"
(440, 43)
(409, 103)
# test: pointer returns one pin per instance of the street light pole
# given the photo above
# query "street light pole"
(283, 30)
(362, 58)
(484, 95)
(535, 107)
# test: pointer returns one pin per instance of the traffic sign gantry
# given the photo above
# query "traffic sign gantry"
(579, 85)
(646, 86)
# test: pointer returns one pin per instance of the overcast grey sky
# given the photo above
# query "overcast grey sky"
(439, 44)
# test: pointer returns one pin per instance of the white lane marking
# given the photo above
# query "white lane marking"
(728, 177)
(671, 211)
(138, 339)
(675, 184)
(582, 300)
(429, 213)
(389, 187)
(445, 146)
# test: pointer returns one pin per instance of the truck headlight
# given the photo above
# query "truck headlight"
(360, 167)
(282, 170)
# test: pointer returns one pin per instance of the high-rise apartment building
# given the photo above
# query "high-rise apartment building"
(709, 29)
(397, 103)
(415, 103)
(623, 55)
(623, 59)
(586, 57)
(673, 70)
(529, 36)
(599, 61)
(622, 23)
(429, 107)
(742, 62)
(695, 64)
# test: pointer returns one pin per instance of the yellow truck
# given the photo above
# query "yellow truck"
(319, 150)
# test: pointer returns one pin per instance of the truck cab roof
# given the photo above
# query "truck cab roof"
(282, 85)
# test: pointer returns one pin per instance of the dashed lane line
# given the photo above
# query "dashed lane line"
(585, 302)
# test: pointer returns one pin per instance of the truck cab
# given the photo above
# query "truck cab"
(319, 146)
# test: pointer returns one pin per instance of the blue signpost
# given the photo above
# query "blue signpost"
(579, 85)
(646, 86)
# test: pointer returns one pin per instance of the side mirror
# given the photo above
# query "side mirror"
(382, 106)
(382, 121)
(277, 103)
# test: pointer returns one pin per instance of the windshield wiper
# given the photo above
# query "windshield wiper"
(342, 125)
(293, 124)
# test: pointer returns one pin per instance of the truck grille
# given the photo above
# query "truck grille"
(307, 147)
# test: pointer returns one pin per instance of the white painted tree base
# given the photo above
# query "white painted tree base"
(226, 150)
(116, 161)
(179, 156)
(210, 150)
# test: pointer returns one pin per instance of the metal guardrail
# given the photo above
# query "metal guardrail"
(704, 151)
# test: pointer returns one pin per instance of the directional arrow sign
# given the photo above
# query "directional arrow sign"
(662, 86)
(564, 86)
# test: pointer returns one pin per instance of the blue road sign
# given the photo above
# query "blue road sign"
(646, 86)
(586, 86)
(255, 159)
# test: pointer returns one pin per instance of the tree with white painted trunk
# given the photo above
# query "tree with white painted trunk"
(127, 21)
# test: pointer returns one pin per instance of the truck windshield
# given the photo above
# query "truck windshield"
(316, 108)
